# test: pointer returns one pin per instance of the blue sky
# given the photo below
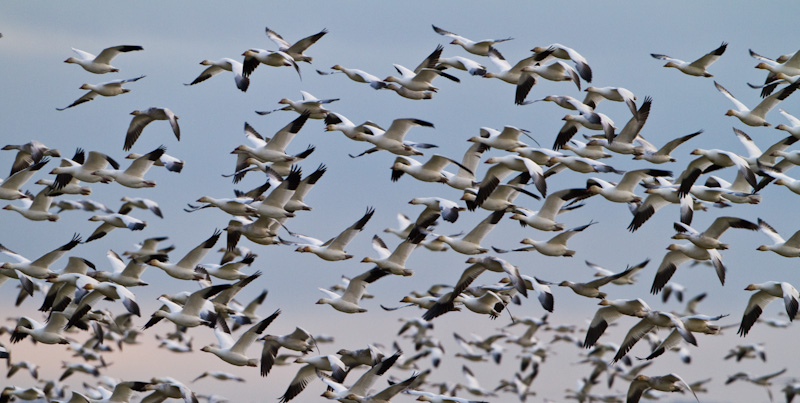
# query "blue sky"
(616, 38)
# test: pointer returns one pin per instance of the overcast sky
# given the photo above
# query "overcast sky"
(616, 38)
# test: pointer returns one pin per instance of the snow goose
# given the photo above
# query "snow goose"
(123, 393)
(623, 192)
(407, 93)
(693, 323)
(139, 202)
(262, 231)
(507, 140)
(501, 196)
(650, 153)
(786, 248)
(191, 314)
(299, 340)
(502, 166)
(378, 367)
(708, 158)
(48, 333)
(107, 89)
(218, 66)
(100, 64)
(29, 154)
(142, 118)
(666, 383)
(394, 262)
(102, 290)
(235, 352)
(333, 249)
(709, 239)
(421, 80)
(386, 394)
(556, 246)
(306, 373)
(480, 48)
(337, 122)
(254, 57)
(39, 268)
(623, 143)
(591, 121)
(682, 253)
(239, 206)
(297, 203)
(560, 51)
(430, 171)
(245, 164)
(465, 177)
(309, 103)
(355, 291)
(295, 50)
(461, 63)
(392, 139)
(273, 205)
(184, 269)
(128, 274)
(544, 219)
(437, 205)
(555, 71)
(472, 385)
(512, 74)
(38, 208)
(763, 380)
(469, 244)
(172, 164)
(10, 188)
(649, 321)
(230, 270)
(757, 116)
(591, 289)
(611, 311)
(627, 279)
(12, 393)
(658, 197)
(148, 247)
(696, 68)
(781, 179)
(789, 67)
(794, 129)
(271, 150)
(220, 375)
(618, 94)
(357, 75)
(111, 221)
(592, 150)
(133, 176)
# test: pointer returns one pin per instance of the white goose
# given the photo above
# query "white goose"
(545, 218)
(355, 291)
(133, 176)
(100, 64)
(107, 89)
(10, 188)
(142, 118)
(235, 352)
(766, 293)
(333, 249)
(757, 116)
(184, 268)
(218, 66)
(255, 57)
(786, 248)
(310, 104)
(562, 52)
(37, 209)
(696, 68)
(469, 244)
(556, 246)
(272, 150)
(81, 167)
(116, 220)
(359, 76)
(480, 48)
(191, 314)
(295, 50)
(48, 333)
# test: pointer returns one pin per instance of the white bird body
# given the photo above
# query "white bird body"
(100, 64)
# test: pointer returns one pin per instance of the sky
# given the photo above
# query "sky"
(616, 38)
